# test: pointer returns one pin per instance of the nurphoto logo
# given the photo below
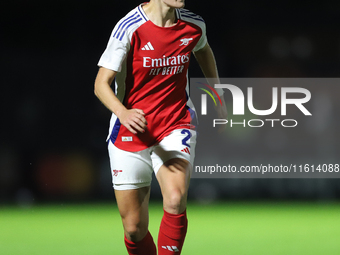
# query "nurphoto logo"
(238, 103)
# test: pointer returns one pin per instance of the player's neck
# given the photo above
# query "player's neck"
(160, 14)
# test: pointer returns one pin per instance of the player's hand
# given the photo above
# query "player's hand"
(133, 120)
(222, 112)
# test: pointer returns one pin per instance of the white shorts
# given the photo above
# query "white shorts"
(133, 170)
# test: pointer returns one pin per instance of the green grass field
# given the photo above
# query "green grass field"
(223, 228)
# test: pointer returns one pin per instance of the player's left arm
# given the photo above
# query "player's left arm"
(206, 60)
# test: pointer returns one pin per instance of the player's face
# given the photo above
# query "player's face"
(175, 3)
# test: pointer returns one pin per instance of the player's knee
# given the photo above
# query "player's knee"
(175, 202)
(134, 232)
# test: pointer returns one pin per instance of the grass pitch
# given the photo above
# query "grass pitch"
(223, 228)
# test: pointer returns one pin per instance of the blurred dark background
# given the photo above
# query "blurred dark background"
(53, 128)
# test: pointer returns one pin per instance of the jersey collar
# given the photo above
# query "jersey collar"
(143, 14)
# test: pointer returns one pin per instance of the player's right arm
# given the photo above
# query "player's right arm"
(132, 119)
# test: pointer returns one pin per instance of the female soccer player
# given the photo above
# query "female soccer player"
(150, 130)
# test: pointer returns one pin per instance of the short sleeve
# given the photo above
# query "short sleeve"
(203, 40)
(116, 50)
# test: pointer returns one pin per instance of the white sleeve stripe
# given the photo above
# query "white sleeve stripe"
(178, 14)
(130, 24)
(141, 12)
(196, 17)
(123, 22)
(189, 14)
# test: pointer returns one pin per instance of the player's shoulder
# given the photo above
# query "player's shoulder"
(129, 23)
(189, 16)
(135, 13)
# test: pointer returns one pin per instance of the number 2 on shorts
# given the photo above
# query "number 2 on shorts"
(185, 139)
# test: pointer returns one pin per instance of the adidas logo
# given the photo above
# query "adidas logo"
(148, 46)
(171, 248)
(186, 150)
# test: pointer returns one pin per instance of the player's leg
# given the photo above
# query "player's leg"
(173, 178)
(131, 177)
(133, 209)
(173, 159)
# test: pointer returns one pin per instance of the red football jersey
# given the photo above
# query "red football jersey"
(152, 64)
